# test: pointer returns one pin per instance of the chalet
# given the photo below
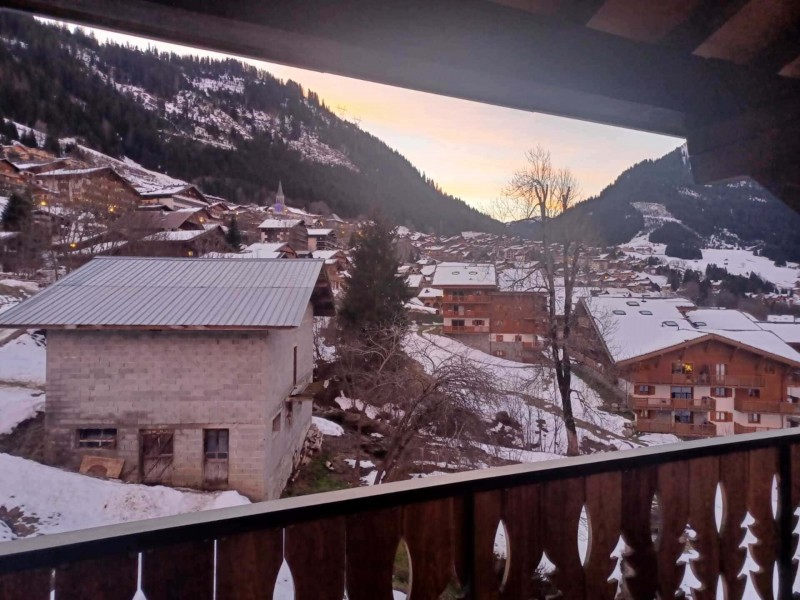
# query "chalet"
(95, 187)
(431, 297)
(259, 250)
(290, 231)
(175, 197)
(466, 299)
(321, 239)
(185, 243)
(336, 264)
(517, 324)
(208, 397)
(696, 372)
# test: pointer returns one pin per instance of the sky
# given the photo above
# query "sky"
(470, 149)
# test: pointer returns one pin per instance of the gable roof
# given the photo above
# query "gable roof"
(280, 223)
(169, 293)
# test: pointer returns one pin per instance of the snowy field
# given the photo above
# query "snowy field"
(735, 261)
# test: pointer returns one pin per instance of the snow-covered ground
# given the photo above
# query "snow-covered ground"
(53, 500)
(22, 360)
(735, 261)
(18, 404)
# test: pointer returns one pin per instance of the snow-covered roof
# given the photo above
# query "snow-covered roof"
(69, 172)
(280, 223)
(631, 330)
(720, 318)
(465, 274)
(175, 236)
(326, 254)
(633, 327)
(430, 293)
(414, 281)
(428, 270)
(319, 232)
(789, 332)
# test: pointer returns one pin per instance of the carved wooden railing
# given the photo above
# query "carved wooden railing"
(641, 511)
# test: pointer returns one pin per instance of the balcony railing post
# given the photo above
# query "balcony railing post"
(786, 520)
(468, 541)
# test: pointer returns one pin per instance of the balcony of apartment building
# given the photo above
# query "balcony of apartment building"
(747, 404)
(466, 298)
(668, 423)
(465, 329)
(457, 311)
(705, 403)
(573, 511)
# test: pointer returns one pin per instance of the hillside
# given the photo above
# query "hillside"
(228, 127)
(658, 199)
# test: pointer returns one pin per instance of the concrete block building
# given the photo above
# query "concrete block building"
(191, 370)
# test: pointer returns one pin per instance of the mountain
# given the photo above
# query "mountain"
(228, 127)
(659, 200)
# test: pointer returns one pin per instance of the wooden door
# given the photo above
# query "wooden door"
(156, 456)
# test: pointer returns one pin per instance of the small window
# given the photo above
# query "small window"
(97, 438)
(682, 368)
(458, 322)
(721, 392)
(722, 416)
(669, 324)
(645, 390)
(287, 406)
(498, 338)
(618, 312)
(517, 338)
(632, 303)
(682, 392)
(477, 322)
(754, 417)
(754, 393)
(648, 313)
(699, 324)
(215, 443)
(276, 423)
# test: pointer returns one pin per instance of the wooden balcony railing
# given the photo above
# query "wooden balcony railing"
(347, 541)
(738, 428)
(465, 329)
(650, 403)
(684, 429)
(748, 381)
(749, 405)
(477, 313)
(470, 298)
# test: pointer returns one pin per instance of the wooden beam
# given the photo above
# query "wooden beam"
(781, 53)
(469, 49)
(707, 17)
(644, 22)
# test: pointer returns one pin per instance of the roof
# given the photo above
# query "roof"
(319, 232)
(176, 236)
(788, 332)
(464, 275)
(280, 223)
(629, 332)
(158, 293)
(71, 172)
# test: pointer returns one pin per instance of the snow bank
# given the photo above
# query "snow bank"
(327, 427)
(16, 405)
(63, 501)
(23, 360)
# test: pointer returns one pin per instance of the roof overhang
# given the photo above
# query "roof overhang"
(599, 61)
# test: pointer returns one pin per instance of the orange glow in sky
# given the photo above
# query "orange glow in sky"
(469, 149)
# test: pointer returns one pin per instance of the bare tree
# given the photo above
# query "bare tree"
(417, 390)
(540, 191)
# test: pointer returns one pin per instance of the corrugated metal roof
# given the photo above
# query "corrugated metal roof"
(173, 292)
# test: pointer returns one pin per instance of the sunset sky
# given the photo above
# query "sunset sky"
(469, 148)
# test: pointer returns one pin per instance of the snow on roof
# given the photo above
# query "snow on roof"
(175, 236)
(650, 325)
(7, 235)
(279, 223)
(789, 332)
(319, 232)
(465, 274)
(720, 318)
(326, 254)
(430, 293)
(632, 327)
(69, 172)
(414, 281)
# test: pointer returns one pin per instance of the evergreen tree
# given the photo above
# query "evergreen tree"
(17, 213)
(234, 234)
(29, 140)
(374, 296)
(51, 144)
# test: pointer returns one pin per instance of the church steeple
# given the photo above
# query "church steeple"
(278, 207)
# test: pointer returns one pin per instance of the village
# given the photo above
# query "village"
(653, 363)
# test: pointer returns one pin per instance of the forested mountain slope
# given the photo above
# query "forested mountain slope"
(224, 125)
